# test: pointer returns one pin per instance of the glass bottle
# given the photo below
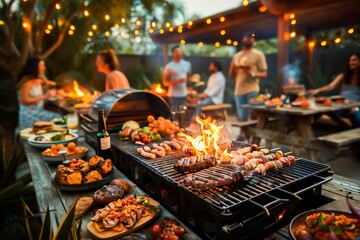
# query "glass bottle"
(103, 138)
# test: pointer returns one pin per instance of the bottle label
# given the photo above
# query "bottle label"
(105, 143)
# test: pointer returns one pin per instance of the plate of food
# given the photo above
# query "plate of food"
(127, 215)
(272, 103)
(79, 175)
(47, 139)
(51, 155)
(259, 100)
(337, 99)
(320, 224)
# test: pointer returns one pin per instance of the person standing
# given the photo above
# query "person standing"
(175, 76)
(108, 63)
(214, 92)
(247, 66)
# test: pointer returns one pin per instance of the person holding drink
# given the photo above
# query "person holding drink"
(247, 66)
(31, 94)
(175, 76)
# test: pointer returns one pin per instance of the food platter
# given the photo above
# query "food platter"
(302, 217)
(58, 159)
(273, 105)
(337, 98)
(107, 235)
(45, 144)
(82, 186)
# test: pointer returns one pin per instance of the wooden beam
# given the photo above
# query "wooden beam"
(283, 49)
(165, 50)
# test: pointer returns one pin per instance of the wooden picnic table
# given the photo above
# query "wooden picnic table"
(302, 120)
(48, 196)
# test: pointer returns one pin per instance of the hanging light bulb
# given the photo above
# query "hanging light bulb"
(86, 13)
(72, 27)
(351, 31)
(138, 22)
(263, 9)
(292, 34)
(337, 40)
(151, 30)
(70, 32)
(90, 34)
(49, 26)
(222, 32)
(123, 20)
(171, 29)
(217, 44)
(182, 41)
(190, 23)
(107, 33)
(2, 22)
(137, 32)
(94, 27)
(292, 15)
(161, 31)
(57, 6)
(167, 25)
(323, 43)
(47, 31)
(235, 43)
(107, 17)
(208, 21)
(201, 44)
(222, 19)
(228, 41)
(153, 24)
(245, 2)
(293, 22)
(311, 44)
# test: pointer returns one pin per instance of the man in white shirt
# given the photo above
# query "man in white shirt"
(176, 74)
(214, 92)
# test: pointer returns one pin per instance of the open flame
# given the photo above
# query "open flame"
(207, 142)
(158, 89)
(77, 90)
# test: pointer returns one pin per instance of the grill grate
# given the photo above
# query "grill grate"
(235, 194)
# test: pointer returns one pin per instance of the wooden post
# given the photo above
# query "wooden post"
(283, 49)
(309, 52)
(165, 49)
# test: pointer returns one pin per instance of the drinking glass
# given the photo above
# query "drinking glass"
(72, 122)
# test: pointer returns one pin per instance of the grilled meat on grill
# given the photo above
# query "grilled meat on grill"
(214, 177)
(195, 163)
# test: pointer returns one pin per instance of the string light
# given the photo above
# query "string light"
(123, 34)
(351, 31)
(123, 20)
(201, 44)
(2, 22)
(293, 22)
(323, 43)
(337, 40)
(70, 32)
(167, 25)
(151, 30)
(107, 17)
(25, 25)
(90, 33)
(107, 33)
(263, 9)
(72, 27)
(171, 29)
(24, 0)
(86, 13)
(190, 23)
(57, 6)
(208, 21)
(217, 44)
(182, 41)
(153, 24)
(136, 31)
(292, 15)
(47, 31)
(116, 25)
(228, 41)
(245, 2)
(311, 44)
(293, 34)
(94, 27)
(138, 22)
(180, 29)
(49, 26)
(161, 31)
(222, 19)
(222, 32)
(235, 43)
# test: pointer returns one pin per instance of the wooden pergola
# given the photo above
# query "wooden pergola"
(266, 19)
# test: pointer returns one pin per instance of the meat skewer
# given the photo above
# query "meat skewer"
(195, 163)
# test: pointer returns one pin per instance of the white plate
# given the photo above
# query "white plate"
(59, 160)
(40, 144)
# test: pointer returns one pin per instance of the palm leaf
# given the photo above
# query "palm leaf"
(33, 226)
(66, 225)
(46, 229)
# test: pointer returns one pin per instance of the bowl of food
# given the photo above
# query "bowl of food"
(52, 156)
(272, 103)
(324, 224)
(259, 100)
(48, 139)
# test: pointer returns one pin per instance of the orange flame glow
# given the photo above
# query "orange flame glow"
(77, 90)
(208, 141)
(158, 89)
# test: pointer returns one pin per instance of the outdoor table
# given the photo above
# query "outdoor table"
(302, 118)
(48, 196)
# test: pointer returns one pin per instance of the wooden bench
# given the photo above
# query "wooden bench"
(246, 124)
(342, 138)
(220, 109)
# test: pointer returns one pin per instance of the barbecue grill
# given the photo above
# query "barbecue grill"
(250, 209)
(121, 105)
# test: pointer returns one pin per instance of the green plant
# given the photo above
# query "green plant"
(69, 228)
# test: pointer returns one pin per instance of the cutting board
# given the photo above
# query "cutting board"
(108, 235)
(26, 133)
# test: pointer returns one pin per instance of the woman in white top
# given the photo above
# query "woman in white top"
(107, 63)
(31, 94)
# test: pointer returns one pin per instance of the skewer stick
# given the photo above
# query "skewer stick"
(287, 153)
(274, 149)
